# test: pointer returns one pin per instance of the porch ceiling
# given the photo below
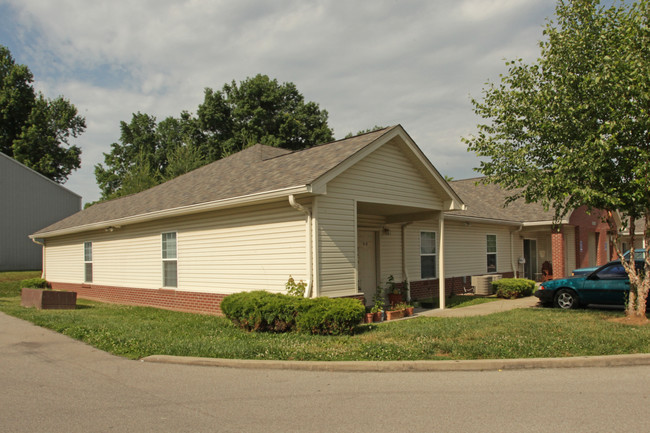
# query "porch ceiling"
(396, 213)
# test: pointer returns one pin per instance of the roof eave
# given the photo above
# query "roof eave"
(456, 217)
(179, 211)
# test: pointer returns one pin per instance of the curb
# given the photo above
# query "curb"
(410, 366)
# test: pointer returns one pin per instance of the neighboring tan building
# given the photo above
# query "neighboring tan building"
(341, 216)
(28, 202)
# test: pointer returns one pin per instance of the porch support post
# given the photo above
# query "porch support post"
(441, 259)
(557, 247)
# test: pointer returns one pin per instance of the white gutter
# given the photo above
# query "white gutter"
(301, 208)
(404, 267)
(515, 267)
(179, 211)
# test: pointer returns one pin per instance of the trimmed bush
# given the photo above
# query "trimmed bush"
(512, 288)
(274, 312)
(34, 283)
(262, 311)
(330, 316)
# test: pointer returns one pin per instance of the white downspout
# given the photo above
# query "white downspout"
(441, 261)
(299, 207)
(404, 267)
(42, 244)
(514, 263)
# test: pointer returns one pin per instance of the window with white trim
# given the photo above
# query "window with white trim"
(491, 241)
(169, 262)
(428, 256)
(88, 262)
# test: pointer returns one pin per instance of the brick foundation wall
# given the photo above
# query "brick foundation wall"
(191, 302)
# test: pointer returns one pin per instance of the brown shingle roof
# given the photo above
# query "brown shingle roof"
(487, 201)
(257, 169)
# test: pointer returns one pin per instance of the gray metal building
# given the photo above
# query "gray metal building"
(28, 202)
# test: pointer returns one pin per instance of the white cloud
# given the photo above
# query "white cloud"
(383, 62)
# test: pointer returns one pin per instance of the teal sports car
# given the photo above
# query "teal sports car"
(639, 254)
(607, 285)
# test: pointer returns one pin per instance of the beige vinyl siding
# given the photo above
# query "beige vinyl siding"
(385, 176)
(570, 248)
(466, 248)
(64, 259)
(244, 250)
(250, 248)
(412, 236)
(391, 253)
(337, 245)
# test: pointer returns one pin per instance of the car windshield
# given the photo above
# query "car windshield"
(614, 271)
(639, 254)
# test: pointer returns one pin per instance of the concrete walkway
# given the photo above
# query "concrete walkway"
(482, 309)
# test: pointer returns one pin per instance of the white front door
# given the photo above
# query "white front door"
(367, 258)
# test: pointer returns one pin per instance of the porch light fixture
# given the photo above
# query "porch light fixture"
(386, 231)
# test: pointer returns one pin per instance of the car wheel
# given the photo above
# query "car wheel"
(566, 299)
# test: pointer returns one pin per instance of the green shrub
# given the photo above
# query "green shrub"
(295, 289)
(274, 312)
(34, 283)
(511, 288)
(262, 311)
(330, 316)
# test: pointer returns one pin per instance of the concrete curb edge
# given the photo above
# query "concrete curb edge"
(410, 366)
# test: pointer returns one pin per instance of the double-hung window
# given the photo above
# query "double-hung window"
(88, 262)
(428, 256)
(491, 253)
(169, 262)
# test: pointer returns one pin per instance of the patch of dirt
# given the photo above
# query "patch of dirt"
(634, 320)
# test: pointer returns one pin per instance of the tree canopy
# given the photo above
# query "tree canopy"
(573, 128)
(257, 110)
(34, 130)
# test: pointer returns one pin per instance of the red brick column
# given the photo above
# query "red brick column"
(557, 246)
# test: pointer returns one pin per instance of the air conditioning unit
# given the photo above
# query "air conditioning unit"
(483, 283)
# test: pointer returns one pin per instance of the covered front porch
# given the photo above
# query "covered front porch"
(400, 242)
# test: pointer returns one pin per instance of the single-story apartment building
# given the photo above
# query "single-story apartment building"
(340, 216)
(343, 217)
(28, 202)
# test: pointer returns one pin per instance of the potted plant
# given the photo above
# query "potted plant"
(36, 292)
(377, 313)
(394, 292)
(394, 312)
(377, 309)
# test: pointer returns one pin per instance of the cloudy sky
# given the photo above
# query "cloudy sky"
(380, 62)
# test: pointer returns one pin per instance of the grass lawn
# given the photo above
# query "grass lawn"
(459, 301)
(135, 332)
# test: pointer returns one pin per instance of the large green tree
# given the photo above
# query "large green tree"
(35, 130)
(573, 128)
(257, 110)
